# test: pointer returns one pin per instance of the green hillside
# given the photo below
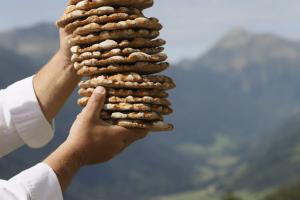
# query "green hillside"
(275, 159)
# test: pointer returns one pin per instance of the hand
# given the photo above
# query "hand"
(96, 141)
(64, 49)
(91, 141)
(57, 78)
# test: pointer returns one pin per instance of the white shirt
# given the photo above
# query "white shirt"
(22, 122)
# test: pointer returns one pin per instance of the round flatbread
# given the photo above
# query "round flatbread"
(132, 58)
(107, 45)
(148, 116)
(87, 92)
(91, 4)
(132, 100)
(101, 11)
(140, 67)
(114, 52)
(113, 35)
(138, 23)
(130, 81)
(164, 110)
(100, 19)
(156, 126)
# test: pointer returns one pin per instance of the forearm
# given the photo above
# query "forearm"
(54, 83)
(65, 163)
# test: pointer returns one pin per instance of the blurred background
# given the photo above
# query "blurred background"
(237, 137)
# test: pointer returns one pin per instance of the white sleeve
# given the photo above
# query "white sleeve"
(21, 118)
(36, 183)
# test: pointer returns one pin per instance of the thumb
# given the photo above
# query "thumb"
(95, 103)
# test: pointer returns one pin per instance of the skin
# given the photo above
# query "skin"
(58, 78)
(91, 140)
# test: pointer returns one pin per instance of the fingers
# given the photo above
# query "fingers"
(95, 104)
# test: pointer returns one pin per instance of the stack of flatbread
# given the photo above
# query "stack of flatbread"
(115, 46)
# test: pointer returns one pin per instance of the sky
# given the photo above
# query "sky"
(191, 27)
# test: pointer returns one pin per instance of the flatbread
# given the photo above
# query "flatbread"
(91, 4)
(130, 99)
(115, 17)
(149, 116)
(130, 81)
(109, 44)
(139, 67)
(164, 110)
(87, 92)
(113, 35)
(138, 23)
(101, 11)
(156, 126)
(114, 52)
(132, 58)
(134, 77)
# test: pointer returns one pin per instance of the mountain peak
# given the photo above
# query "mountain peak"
(235, 38)
(240, 49)
(238, 32)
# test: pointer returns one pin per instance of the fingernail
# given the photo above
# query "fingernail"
(99, 90)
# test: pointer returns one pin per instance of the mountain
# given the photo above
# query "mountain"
(37, 42)
(250, 100)
(239, 49)
(279, 149)
(13, 66)
(242, 89)
(225, 106)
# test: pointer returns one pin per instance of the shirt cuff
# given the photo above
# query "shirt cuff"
(26, 114)
(41, 182)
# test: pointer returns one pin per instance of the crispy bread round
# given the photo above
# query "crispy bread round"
(130, 99)
(100, 19)
(101, 11)
(137, 43)
(164, 110)
(140, 67)
(132, 58)
(148, 116)
(138, 23)
(91, 4)
(156, 126)
(114, 52)
(130, 81)
(113, 35)
(87, 92)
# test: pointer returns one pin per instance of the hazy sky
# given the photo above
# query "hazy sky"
(191, 26)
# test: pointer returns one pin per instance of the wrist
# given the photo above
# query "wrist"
(75, 153)
(64, 57)
(64, 61)
(65, 163)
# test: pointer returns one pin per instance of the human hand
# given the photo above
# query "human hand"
(64, 49)
(91, 141)
(58, 77)
(96, 141)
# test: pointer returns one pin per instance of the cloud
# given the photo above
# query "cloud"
(191, 26)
